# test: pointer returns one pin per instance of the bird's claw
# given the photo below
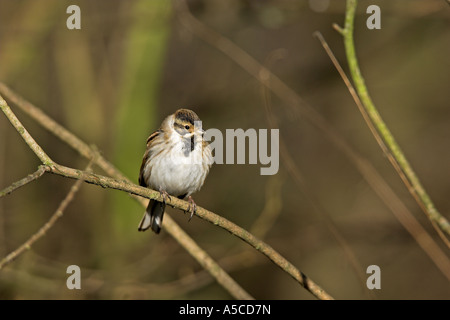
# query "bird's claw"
(192, 207)
(164, 195)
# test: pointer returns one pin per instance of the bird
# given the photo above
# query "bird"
(176, 162)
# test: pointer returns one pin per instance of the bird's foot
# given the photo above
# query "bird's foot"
(192, 207)
(164, 195)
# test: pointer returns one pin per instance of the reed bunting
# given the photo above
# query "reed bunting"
(176, 162)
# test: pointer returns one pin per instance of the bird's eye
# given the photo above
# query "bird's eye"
(186, 127)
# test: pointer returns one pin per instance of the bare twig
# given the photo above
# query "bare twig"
(45, 159)
(31, 177)
(60, 132)
(404, 216)
(199, 254)
(196, 280)
(295, 173)
(125, 185)
(297, 104)
(221, 276)
(207, 215)
(371, 126)
(43, 230)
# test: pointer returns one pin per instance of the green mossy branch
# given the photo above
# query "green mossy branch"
(410, 178)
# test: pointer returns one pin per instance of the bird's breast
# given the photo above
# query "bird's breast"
(177, 169)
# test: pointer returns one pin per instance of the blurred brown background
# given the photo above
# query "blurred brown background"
(133, 63)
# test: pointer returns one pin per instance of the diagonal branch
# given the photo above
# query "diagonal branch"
(403, 215)
(397, 159)
(60, 132)
(125, 185)
(45, 159)
(205, 214)
(199, 254)
(296, 174)
(297, 104)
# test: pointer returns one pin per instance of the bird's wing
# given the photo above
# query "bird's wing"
(147, 155)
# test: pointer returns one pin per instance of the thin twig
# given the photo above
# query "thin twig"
(45, 159)
(123, 184)
(371, 126)
(205, 214)
(297, 104)
(50, 223)
(295, 173)
(131, 188)
(398, 159)
(170, 225)
(404, 216)
(16, 185)
(197, 280)
(221, 276)
(59, 131)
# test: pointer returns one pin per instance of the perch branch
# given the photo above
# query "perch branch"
(199, 254)
(125, 185)
(398, 159)
(205, 214)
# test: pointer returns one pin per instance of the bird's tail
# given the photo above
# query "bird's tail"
(153, 216)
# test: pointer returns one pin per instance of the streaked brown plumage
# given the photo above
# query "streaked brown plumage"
(176, 162)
